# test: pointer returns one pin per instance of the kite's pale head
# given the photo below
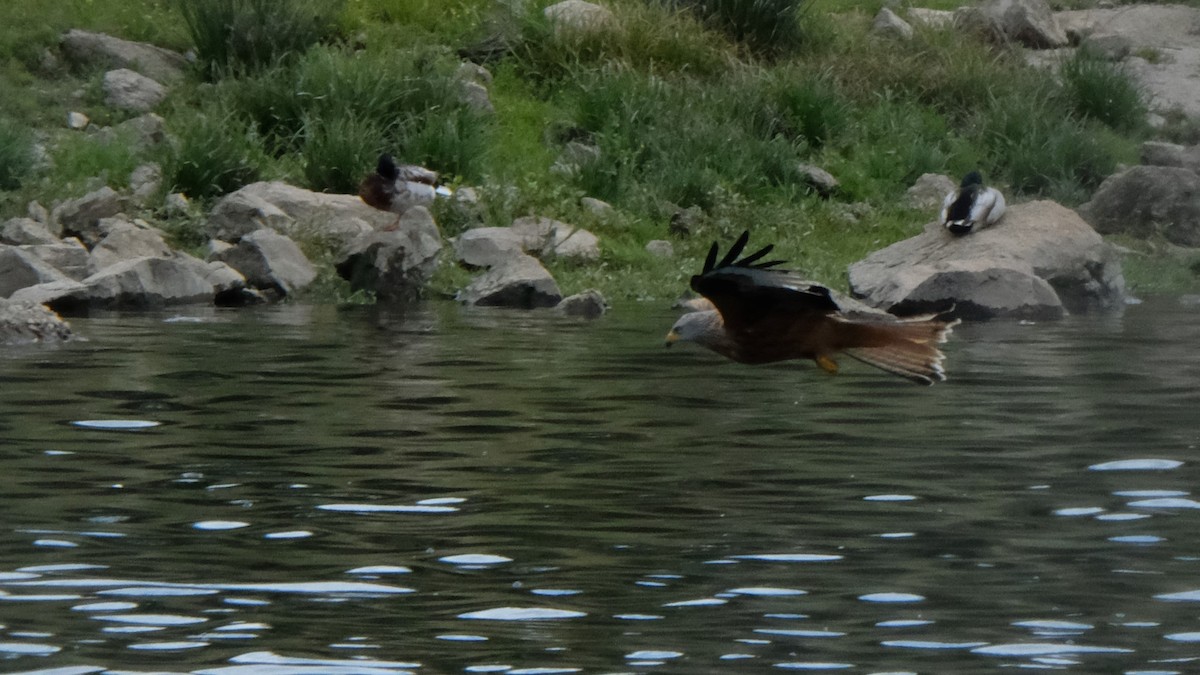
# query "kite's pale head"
(698, 327)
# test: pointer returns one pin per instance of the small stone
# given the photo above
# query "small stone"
(661, 248)
(176, 203)
(38, 212)
(596, 206)
(77, 121)
(888, 24)
(589, 304)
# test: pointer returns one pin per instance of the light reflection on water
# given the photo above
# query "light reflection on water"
(310, 489)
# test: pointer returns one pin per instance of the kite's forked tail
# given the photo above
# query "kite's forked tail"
(907, 348)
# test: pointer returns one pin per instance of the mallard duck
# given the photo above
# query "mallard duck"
(398, 187)
(972, 206)
(756, 314)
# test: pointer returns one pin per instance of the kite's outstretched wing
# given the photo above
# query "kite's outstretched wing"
(753, 295)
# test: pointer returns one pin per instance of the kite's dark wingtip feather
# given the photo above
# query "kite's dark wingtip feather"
(735, 250)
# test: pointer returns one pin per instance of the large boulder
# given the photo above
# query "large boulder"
(126, 243)
(68, 256)
(546, 237)
(21, 269)
(1148, 200)
(1027, 22)
(149, 282)
(18, 231)
(579, 16)
(520, 282)
(125, 89)
(487, 246)
(1158, 153)
(97, 50)
(1036, 262)
(294, 212)
(25, 322)
(589, 304)
(80, 217)
(888, 24)
(270, 261)
(396, 264)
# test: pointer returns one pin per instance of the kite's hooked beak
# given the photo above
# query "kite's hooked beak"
(672, 338)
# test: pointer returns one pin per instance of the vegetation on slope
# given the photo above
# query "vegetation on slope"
(705, 103)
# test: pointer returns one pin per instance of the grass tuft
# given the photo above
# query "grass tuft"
(16, 154)
(240, 36)
(1099, 89)
(214, 152)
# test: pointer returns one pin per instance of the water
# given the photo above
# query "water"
(321, 490)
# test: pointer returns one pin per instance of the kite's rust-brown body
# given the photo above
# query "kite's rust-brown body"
(763, 315)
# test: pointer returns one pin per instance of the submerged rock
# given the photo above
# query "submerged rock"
(396, 264)
(26, 322)
(589, 304)
(270, 261)
(520, 282)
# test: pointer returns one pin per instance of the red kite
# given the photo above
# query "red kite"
(764, 315)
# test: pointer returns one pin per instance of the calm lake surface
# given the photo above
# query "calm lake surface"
(352, 490)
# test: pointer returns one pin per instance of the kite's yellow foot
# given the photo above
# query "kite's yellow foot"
(827, 364)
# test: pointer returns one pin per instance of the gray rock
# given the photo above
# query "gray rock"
(397, 264)
(21, 269)
(589, 304)
(1028, 22)
(230, 287)
(294, 212)
(1157, 153)
(887, 24)
(487, 246)
(475, 96)
(65, 297)
(596, 207)
(68, 256)
(17, 231)
(929, 190)
(77, 121)
(38, 212)
(578, 16)
(176, 204)
(547, 237)
(97, 50)
(126, 241)
(989, 273)
(977, 290)
(1108, 45)
(574, 157)
(685, 221)
(144, 283)
(79, 217)
(660, 248)
(819, 179)
(125, 89)
(145, 181)
(521, 282)
(146, 130)
(270, 261)
(930, 18)
(27, 322)
(473, 72)
(1146, 200)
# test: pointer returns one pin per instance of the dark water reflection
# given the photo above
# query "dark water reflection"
(352, 491)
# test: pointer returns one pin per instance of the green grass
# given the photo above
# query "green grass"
(16, 154)
(240, 36)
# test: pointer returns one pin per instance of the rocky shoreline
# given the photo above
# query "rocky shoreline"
(1042, 261)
